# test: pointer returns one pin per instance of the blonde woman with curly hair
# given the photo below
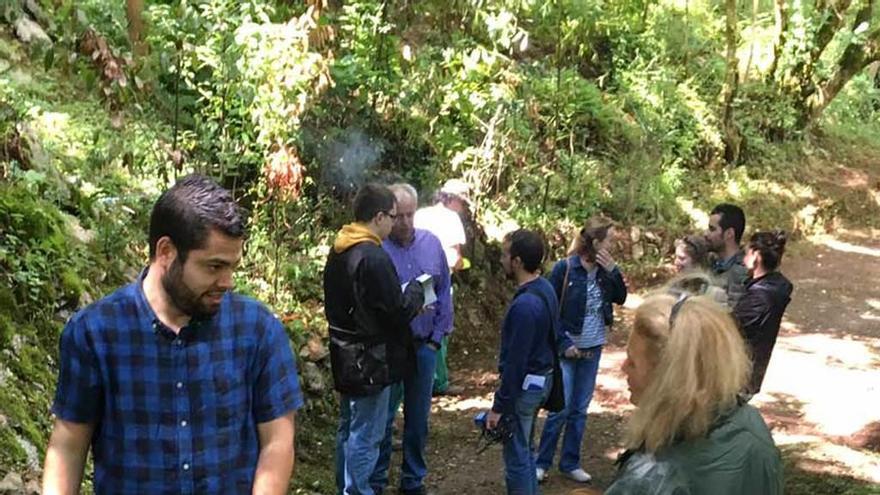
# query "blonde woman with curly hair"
(690, 433)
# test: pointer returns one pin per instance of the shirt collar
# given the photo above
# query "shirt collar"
(148, 316)
(725, 264)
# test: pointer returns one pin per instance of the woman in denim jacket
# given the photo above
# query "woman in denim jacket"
(587, 283)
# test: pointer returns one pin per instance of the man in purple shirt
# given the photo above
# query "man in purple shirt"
(415, 252)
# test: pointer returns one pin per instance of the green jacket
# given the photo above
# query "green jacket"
(738, 457)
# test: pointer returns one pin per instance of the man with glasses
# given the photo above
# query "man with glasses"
(371, 345)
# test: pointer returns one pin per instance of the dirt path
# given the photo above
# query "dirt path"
(821, 396)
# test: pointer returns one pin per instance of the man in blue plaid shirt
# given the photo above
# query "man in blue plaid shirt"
(178, 384)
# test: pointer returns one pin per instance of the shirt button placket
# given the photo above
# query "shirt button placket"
(182, 408)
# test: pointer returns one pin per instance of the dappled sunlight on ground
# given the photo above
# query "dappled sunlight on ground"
(847, 247)
(827, 458)
(479, 403)
(828, 383)
(633, 301)
(611, 393)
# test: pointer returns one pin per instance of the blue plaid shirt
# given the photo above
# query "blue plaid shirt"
(174, 413)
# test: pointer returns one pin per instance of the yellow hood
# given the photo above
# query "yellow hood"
(352, 234)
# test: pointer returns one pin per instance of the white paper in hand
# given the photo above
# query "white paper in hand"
(427, 282)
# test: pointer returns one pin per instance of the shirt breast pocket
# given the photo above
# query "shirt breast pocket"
(231, 396)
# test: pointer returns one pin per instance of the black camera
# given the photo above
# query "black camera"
(489, 436)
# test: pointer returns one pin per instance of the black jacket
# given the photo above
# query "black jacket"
(759, 313)
(371, 344)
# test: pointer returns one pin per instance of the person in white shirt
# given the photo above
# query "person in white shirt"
(443, 219)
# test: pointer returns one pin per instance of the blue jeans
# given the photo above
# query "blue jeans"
(579, 378)
(519, 465)
(416, 395)
(361, 426)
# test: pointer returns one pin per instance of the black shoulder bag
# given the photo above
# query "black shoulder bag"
(556, 400)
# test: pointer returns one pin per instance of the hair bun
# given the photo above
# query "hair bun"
(780, 238)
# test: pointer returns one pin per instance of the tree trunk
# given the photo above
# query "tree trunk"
(751, 43)
(854, 59)
(732, 139)
(781, 14)
(134, 10)
(876, 70)
(834, 15)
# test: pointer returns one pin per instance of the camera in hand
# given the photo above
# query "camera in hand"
(488, 436)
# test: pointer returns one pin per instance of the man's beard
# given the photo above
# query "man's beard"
(402, 237)
(181, 296)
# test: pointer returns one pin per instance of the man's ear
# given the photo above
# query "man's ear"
(166, 251)
(729, 234)
(516, 262)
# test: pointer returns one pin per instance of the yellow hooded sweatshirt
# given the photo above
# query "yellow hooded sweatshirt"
(352, 234)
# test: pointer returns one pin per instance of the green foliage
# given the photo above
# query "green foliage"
(857, 108)
(11, 452)
(553, 111)
(34, 250)
(235, 83)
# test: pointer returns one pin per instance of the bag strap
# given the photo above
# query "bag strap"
(552, 333)
(564, 286)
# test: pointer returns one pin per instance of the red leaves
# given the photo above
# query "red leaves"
(284, 172)
(111, 67)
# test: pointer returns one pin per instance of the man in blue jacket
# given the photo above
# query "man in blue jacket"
(526, 360)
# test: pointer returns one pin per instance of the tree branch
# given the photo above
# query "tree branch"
(854, 59)
(732, 139)
(781, 14)
(829, 27)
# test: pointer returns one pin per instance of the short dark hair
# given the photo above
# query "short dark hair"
(528, 246)
(732, 217)
(771, 245)
(370, 200)
(188, 211)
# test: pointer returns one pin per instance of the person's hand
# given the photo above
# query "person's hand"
(572, 353)
(414, 292)
(433, 345)
(492, 420)
(606, 260)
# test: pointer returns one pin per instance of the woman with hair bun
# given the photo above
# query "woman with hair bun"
(691, 433)
(768, 292)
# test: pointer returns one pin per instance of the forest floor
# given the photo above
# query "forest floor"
(821, 396)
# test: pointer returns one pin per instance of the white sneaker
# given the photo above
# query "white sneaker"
(579, 475)
(541, 474)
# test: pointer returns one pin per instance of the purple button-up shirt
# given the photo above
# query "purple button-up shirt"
(425, 255)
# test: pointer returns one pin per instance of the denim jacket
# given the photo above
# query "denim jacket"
(573, 307)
